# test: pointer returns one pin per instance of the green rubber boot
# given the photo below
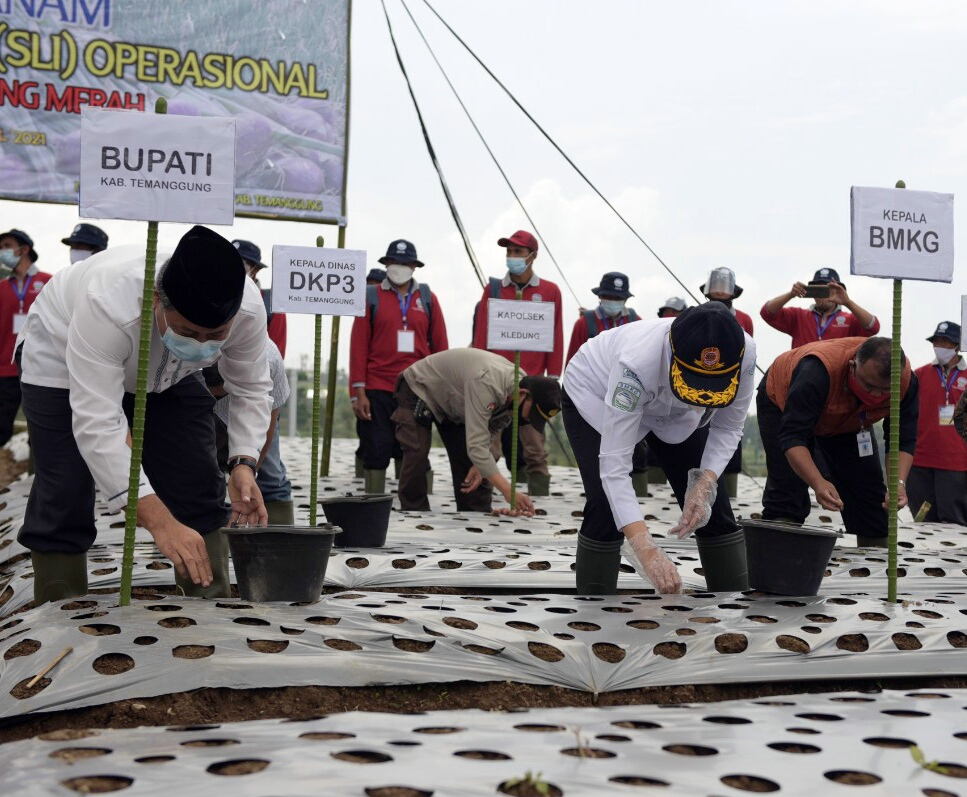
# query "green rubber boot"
(731, 484)
(538, 484)
(597, 566)
(58, 576)
(359, 468)
(640, 482)
(723, 560)
(375, 481)
(656, 475)
(871, 542)
(216, 544)
(281, 513)
(429, 481)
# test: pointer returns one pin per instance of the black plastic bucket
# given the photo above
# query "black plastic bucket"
(364, 519)
(280, 563)
(786, 559)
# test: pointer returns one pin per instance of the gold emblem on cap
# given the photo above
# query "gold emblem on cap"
(709, 358)
(704, 398)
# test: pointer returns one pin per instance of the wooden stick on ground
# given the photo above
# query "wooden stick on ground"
(49, 667)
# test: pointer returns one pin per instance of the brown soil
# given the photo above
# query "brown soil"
(10, 469)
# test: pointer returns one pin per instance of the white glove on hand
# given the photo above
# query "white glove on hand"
(650, 562)
(699, 497)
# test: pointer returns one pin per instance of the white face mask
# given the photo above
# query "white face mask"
(944, 356)
(77, 255)
(612, 307)
(399, 275)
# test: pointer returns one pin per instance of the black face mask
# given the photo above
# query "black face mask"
(726, 302)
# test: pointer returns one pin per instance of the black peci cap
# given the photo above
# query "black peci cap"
(546, 393)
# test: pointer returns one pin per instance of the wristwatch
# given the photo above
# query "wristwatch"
(251, 462)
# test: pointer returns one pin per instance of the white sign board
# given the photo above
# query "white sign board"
(514, 325)
(963, 323)
(902, 234)
(307, 279)
(155, 167)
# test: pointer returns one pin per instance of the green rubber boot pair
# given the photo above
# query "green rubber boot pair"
(374, 481)
(723, 560)
(640, 482)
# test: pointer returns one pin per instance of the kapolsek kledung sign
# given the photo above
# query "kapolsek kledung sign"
(155, 167)
(902, 234)
(514, 325)
(315, 281)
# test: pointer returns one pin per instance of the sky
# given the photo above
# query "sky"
(726, 134)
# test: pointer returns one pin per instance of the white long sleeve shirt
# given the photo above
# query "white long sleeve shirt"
(618, 381)
(82, 334)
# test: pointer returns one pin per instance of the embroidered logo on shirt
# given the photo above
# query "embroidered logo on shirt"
(627, 373)
(537, 298)
(625, 397)
(840, 320)
(962, 381)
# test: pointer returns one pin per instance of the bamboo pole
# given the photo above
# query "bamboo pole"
(140, 400)
(514, 423)
(316, 387)
(893, 462)
(331, 382)
(49, 667)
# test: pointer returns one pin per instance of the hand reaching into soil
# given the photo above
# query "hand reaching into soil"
(184, 546)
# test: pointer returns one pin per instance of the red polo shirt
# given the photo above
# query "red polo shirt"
(15, 300)
(805, 325)
(939, 446)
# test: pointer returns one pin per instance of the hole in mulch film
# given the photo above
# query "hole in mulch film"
(612, 737)
(792, 747)
(238, 766)
(545, 652)
(25, 647)
(521, 626)
(852, 777)
(362, 757)
(792, 643)
(820, 717)
(606, 651)
(957, 639)
(642, 625)
(750, 783)
(584, 626)
(885, 741)
(403, 564)
(113, 663)
(901, 712)
(587, 752)
(412, 645)
(67, 735)
(727, 720)
(395, 791)
(483, 755)
(341, 644)
(326, 736)
(145, 640)
(162, 607)
(317, 620)
(154, 759)
(71, 754)
(638, 780)
(538, 728)
(690, 749)
(529, 788)
(176, 622)
(210, 743)
(71, 606)
(97, 784)
(387, 618)
(484, 650)
(460, 622)
(637, 725)
(731, 643)
(193, 651)
(267, 645)
(855, 643)
(670, 650)
(906, 641)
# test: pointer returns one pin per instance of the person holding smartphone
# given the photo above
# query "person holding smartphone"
(826, 319)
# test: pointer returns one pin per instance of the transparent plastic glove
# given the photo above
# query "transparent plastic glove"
(699, 497)
(650, 562)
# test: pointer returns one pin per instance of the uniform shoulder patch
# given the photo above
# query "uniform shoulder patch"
(627, 373)
(625, 396)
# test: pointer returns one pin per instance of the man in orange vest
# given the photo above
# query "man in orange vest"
(831, 393)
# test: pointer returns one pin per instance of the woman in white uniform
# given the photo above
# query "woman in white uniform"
(684, 385)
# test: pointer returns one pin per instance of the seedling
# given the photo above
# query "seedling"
(532, 779)
(934, 766)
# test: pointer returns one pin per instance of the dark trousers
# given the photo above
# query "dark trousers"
(415, 438)
(178, 457)
(946, 490)
(858, 480)
(675, 458)
(9, 404)
(377, 437)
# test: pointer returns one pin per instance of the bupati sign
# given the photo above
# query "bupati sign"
(280, 68)
(318, 281)
(157, 168)
(902, 234)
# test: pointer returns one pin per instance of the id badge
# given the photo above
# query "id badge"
(864, 443)
(947, 415)
(19, 319)
(405, 341)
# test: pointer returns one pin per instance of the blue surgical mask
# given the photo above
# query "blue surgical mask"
(612, 307)
(517, 265)
(9, 257)
(190, 350)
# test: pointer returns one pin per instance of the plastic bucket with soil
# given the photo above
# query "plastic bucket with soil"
(364, 519)
(280, 563)
(785, 558)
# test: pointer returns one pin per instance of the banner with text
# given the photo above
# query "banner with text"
(157, 168)
(314, 281)
(902, 234)
(520, 326)
(281, 68)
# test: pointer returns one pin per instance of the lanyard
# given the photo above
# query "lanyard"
(405, 306)
(947, 383)
(21, 295)
(613, 322)
(820, 327)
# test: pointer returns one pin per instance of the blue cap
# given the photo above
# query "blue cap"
(25, 240)
(402, 252)
(87, 234)
(249, 252)
(614, 283)
(947, 330)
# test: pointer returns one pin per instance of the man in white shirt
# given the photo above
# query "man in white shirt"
(78, 354)
(684, 385)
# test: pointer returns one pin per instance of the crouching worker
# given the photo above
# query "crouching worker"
(78, 355)
(468, 394)
(683, 385)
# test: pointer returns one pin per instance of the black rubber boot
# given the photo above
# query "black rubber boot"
(656, 475)
(871, 542)
(731, 484)
(539, 484)
(58, 576)
(597, 566)
(281, 513)
(216, 544)
(723, 560)
(640, 482)
(374, 481)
